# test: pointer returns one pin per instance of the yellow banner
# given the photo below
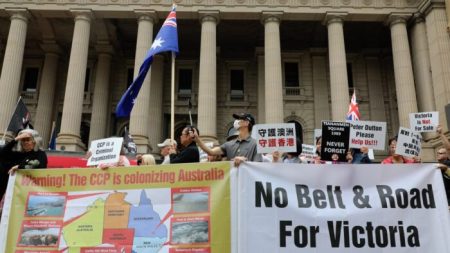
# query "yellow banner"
(171, 208)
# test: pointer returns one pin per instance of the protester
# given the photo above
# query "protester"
(359, 156)
(442, 156)
(165, 147)
(241, 149)
(147, 159)
(395, 158)
(23, 153)
(293, 157)
(123, 160)
(27, 153)
(189, 152)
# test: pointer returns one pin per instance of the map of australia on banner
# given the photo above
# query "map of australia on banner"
(112, 220)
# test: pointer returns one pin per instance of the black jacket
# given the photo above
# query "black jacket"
(190, 154)
(25, 160)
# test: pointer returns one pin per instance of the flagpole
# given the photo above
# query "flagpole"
(4, 132)
(172, 99)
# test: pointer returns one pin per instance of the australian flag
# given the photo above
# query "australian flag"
(166, 40)
(353, 109)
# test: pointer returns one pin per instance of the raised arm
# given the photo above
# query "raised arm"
(209, 151)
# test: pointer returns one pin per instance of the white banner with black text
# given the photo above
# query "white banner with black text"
(341, 208)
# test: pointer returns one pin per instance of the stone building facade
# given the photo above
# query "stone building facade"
(281, 60)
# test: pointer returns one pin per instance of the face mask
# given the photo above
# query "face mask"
(236, 124)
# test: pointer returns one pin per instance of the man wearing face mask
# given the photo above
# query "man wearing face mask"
(241, 149)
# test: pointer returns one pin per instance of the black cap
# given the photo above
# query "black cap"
(245, 116)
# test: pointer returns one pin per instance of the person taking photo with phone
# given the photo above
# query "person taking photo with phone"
(189, 152)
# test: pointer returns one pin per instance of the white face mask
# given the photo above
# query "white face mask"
(236, 124)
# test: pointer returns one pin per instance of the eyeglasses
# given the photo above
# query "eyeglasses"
(440, 153)
(26, 139)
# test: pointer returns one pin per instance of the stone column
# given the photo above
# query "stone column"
(155, 112)
(320, 85)
(439, 46)
(422, 66)
(261, 92)
(207, 87)
(100, 112)
(272, 68)
(338, 66)
(139, 115)
(12, 65)
(69, 136)
(44, 111)
(375, 89)
(404, 78)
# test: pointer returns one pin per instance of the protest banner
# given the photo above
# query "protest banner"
(424, 121)
(409, 143)
(342, 208)
(275, 137)
(105, 151)
(308, 152)
(370, 134)
(335, 136)
(137, 209)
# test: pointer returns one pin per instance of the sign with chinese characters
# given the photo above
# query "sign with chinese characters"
(335, 136)
(408, 143)
(275, 137)
(424, 121)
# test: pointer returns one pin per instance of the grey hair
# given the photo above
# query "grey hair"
(37, 139)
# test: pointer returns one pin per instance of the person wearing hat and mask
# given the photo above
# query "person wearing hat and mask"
(241, 149)
(165, 148)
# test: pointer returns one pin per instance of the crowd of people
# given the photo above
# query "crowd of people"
(24, 152)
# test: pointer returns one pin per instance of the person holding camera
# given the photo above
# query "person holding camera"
(189, 152)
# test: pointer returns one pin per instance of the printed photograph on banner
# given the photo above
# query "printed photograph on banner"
(275, 137)
(423, 122)
(335, 137)
(105, 151)
(409, 143)
(190, 250)
(191, 200)
(45, 204)
(369, 134)
(190, 230)
(40, 233)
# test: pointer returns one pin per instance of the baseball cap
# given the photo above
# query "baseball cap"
(245, 116)
(167, 142)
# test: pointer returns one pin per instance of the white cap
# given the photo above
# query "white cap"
(167, 142)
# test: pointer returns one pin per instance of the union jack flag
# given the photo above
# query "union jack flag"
(353, 110)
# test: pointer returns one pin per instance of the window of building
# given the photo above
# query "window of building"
(184, 81)
(87, 80)
(30, 80)
(291, 76)
(237, 82)
(130, 76)
(350, 77)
